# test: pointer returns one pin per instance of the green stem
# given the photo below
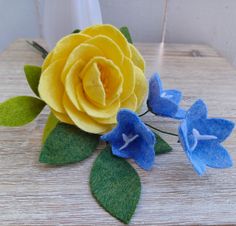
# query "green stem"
(144, 113)
(162, 131)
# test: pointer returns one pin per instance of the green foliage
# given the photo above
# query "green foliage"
(116, 185)
(20, 110)
(125, 31)
(67, 144)
(161, 145)
(76, 31)
(33, 74)
(50, 125)
(39, 48)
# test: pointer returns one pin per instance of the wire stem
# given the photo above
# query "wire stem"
(144, 113)
(162, 131)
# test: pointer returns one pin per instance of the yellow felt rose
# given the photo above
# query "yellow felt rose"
(90, 75)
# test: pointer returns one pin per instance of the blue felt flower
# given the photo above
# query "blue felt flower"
(164, 102)
(132, 139)
(201, 137)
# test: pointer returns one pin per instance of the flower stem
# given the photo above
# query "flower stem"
(162, 131)
(144, 113)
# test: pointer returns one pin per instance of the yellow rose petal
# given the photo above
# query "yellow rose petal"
(93, 86)
(110, 49)
(64, 47)
(50, 87)
(47, 61)
(83, 52)
(71, 82)
(82, 120)
(130, 103)
(67, 44)
(127, 70)
(112, 120)
(107, 78)
(93, 110)
(137, 57)
(112, 32)
(63, 117)
(141, 86)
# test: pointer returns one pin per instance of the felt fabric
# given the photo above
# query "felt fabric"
(50, 86)
(112, 33)
(125, 31)
(50, 125)
(68, 144)
(141, 86)
(89, 76)
(131, 138)
(20, 110)
(39, 48)
(201, 139)
(164, 102)
(33, 74)
(137, 57)
(161, 146)
(115, 185)
(76, 31)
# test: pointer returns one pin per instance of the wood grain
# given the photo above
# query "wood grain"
(172, 194)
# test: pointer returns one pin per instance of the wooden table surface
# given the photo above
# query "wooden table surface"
(34, 194)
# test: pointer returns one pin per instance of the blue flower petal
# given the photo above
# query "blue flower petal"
(163, 102)
(145, 158)
(155, 85)
(131, 138)
(164, 107)
(197, 164)
(221, 128)
(180, 114)
(174, 95)
(213, 154)
(109, 137)
(197, 111)
(155, 89)
(201, 137)
(121, 153)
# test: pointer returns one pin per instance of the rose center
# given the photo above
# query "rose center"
(104, 78)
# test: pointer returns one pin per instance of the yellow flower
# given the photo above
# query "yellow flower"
(90, 75)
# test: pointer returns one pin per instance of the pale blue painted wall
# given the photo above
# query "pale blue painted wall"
(210, 22)
(18, 18)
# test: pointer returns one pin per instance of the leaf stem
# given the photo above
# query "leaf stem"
(162, 131)
(144, 113)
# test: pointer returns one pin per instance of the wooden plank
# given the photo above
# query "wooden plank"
(34, 194)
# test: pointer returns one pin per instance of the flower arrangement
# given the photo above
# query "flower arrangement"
(94, 84)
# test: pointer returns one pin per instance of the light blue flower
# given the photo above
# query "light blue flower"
(201, 137)
(164, 102)
(132, 139)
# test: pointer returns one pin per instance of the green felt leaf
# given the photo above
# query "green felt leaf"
(50, 125)
(76, 31)
(33, 74)
(125, 31)
(161, 145)
(39, 48)
(68, 144)
(115, 185)
(20, 110)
